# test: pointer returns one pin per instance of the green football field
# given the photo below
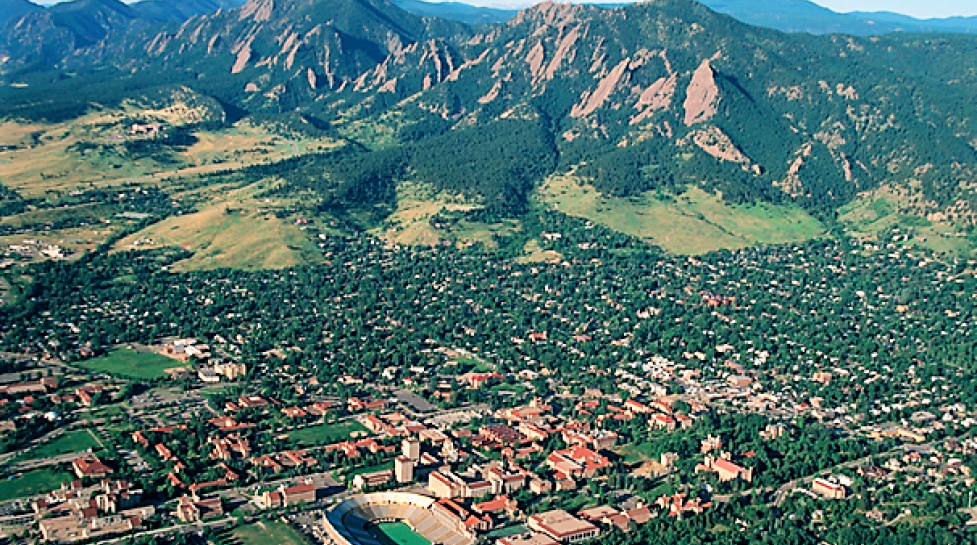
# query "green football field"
(398, 533)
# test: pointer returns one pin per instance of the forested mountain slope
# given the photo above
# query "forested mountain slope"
(658, 96)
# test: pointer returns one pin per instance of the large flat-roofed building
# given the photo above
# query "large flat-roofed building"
(828, 489)
(562, 526)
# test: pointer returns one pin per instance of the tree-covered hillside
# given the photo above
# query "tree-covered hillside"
(661, 95)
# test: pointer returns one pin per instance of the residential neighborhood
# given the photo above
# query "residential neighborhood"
(210, 430)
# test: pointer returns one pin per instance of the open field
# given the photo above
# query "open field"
(88, 152)
(397, 533)
(637, 452)
(268, 533)
(324, 434)
(883, 210)
(32, 483)
(235, 229)
(129, 363)
(58, 161)
(534, 253)
(417, 203)
(71, 441)
(693, 223)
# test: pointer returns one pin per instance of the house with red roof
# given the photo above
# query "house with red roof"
(577, 461)
(90, 466)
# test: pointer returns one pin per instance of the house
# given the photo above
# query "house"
(455, 515)
(87, 525)
(597, 439)
(502, 434)
(252, 401)
(726, 469)
(636, 407)
(711, 442)
(663, 421)
(828, 489)
(294, 412)
(677, 505)
(320, 408)
(90, 467)
(378, 478)
(86, 394)
(577, 461)
(285, 496)
(191, 510)
(497, 505)
(356, 404)
(476, 380)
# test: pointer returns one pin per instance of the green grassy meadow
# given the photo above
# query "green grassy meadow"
(268, 533)
(129, 363)
(72, 441)
(32, 483)
(324, 434)
(695, 222)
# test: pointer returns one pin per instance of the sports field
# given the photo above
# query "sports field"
(129, 363)
(266, 533)
(397, 533)
(323, 434)
(32, 483)
(72, 441)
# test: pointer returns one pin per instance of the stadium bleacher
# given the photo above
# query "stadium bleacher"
(348, 522)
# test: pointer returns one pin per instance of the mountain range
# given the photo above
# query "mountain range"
(805, 16)
(659, 96)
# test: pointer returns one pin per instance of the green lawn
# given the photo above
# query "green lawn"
(367, 469)
(324, 434)
(72, 441)
(507, 531)
(32, 483)
(129, 363)
(639, 453)
(268, 533)
(397, 533)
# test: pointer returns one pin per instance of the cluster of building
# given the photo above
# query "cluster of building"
(76, 512)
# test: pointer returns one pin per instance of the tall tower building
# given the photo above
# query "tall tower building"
(412, 449)
(404, 469)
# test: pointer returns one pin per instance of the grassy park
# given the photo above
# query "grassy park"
(72, 441)
(32, 483)
(132, 364)
(323, 434)
(692, 223)
(268, 533)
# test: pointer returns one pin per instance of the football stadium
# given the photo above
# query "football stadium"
(390, 518)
